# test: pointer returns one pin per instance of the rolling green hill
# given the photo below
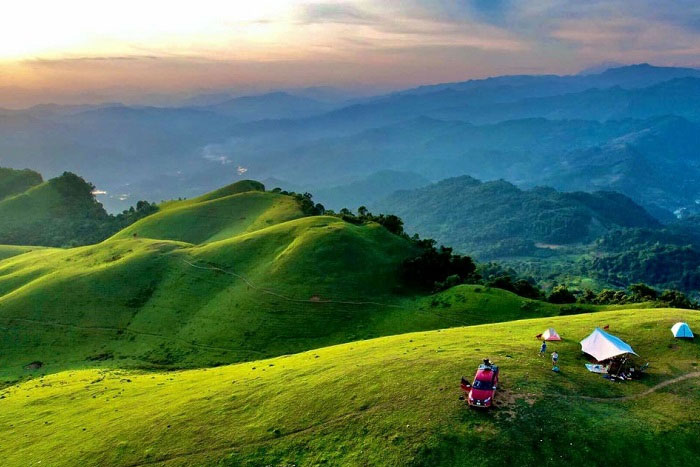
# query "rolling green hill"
(389, 401)
(220, 279)
(229, 211)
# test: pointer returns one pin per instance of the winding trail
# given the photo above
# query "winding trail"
(284, 297)
(128, 331)
(663, 384)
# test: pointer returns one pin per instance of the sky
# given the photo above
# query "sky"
(149, 50)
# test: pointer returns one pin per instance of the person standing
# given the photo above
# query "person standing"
(543, 348)
(555, 360)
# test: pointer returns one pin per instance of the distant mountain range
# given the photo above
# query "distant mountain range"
(598, 239)
(633, 129)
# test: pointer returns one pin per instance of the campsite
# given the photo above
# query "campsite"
(400, 404)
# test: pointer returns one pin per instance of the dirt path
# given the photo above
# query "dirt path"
(663, 384)
(128, 331)
(284, 297)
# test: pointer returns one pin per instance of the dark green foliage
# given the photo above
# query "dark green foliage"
(667, 257)
(643, 292)
(560, 294)
(62, 212)
(676, 299)
(306, 202)
(389, 221)
(497, 219)
(520, 287)
(434, 266)
(638, 293)
(13, 182)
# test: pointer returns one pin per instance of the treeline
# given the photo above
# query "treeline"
(391, 222)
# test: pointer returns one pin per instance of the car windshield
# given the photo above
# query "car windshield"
(482, 384)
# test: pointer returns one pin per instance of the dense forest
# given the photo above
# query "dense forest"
(597, 240)
(497, 219)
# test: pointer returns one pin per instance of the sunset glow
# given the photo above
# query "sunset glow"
(161, 46)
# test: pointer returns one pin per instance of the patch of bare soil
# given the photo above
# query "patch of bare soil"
(34, 365)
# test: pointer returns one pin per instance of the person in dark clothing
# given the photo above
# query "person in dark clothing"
(543, 348)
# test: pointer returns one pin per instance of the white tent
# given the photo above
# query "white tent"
(682, 330)
(602, 346)
(550, 335)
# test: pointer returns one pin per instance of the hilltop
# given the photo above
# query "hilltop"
(392, 400)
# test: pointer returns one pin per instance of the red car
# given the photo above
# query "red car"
(480, 393)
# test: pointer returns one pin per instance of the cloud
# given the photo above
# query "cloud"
(215, 153)
(341, 13)
(385, 44)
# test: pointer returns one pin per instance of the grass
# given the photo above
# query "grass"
(121, 353)
(290, 284)
(8, 251)
(209, 219)
(386, 401)
(137, 302)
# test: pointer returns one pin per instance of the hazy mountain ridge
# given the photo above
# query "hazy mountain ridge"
(153, 153)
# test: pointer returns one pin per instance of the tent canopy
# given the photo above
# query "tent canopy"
(682, 330)
(602, 346)
(550, 335)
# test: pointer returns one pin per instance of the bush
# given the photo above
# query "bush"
(676, 299)
(560, 294)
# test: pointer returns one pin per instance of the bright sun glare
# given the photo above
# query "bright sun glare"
(50, 29)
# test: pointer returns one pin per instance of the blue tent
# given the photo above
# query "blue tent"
(682, 330)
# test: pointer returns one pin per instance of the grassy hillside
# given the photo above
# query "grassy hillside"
(218, 280)
(8, 251)
(390, 401)
(229, 211)
(59, 212)
(298, 285)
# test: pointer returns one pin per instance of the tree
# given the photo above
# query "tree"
(392, 223)
(677, 299)
(588, 296)
(435, 265)
(642, 292)
(560, 294)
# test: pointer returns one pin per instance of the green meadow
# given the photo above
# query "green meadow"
(231, 329)
(391, 401)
